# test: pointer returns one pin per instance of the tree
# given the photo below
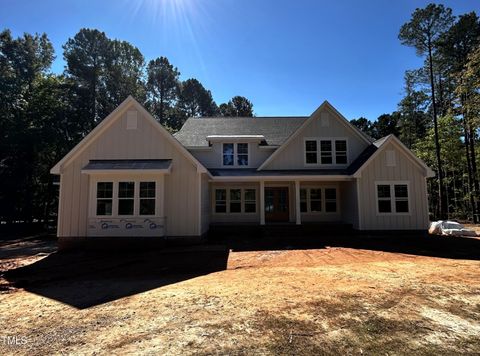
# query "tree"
(162, 89)
(238, 106)
(366, 126)
(422, 32)
(387, 124)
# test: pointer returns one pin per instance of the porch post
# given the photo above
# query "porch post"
(297, 203)
(262, 202)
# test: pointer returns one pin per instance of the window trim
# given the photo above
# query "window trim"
(235, 155)
(393, 208)
(322, 188)
(242, 200)
(319, 152)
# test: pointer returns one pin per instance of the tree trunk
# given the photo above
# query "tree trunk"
(473, 162)
(441, 193)
(469, 169)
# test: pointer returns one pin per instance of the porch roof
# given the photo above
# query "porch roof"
(98, 165)
(246, 172)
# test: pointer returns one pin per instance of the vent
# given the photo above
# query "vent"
(132, 120)
(391, 158)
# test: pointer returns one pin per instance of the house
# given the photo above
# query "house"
(130, 177)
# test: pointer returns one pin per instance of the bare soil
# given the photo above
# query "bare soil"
(331, 300)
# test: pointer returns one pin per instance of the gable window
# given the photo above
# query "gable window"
(126, 194)
(147, 198)
(318, 200)
(392, 198)
(104, 198)
(311, 151)
(340, 152)
(228, 154)
(331, 151)
(326, 152)
(235, 154)
(235, 200)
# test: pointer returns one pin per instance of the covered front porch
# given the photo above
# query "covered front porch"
(305, 200)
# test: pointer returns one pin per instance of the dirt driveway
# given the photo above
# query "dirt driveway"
(333, 300)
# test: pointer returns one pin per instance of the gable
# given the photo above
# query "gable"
(129, 132)
(325, 122)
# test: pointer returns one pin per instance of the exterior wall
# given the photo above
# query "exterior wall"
(404, 170)
(212, 157)
(145, 142)
(206, 204)
(234, 217)
(348, 191)
(293, 156)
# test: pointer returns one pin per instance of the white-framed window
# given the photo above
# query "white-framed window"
(235, 200)
(147, 198)
(318, 200)
(104, 206)
(392, 197)
(124, 198)
(326, 151)
(235, 154)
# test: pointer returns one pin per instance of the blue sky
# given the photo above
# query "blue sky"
(285, 56)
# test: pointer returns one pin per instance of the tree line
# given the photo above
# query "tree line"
(439, 114)
(45, 114)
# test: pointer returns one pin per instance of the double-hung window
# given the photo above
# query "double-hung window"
(235, 200)
(392, 198)
(126, 198)
(325, 151)
(104, 198)
(318, 200)
(235, 154)
(147, 198)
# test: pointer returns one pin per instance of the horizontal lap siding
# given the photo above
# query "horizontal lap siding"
(404, 170)
(146, 142)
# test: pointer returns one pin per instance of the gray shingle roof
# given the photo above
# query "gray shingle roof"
(101, 164)
(275, 129)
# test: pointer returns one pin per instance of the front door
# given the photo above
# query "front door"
(276, 204)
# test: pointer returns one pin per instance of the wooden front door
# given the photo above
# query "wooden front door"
(276, 204)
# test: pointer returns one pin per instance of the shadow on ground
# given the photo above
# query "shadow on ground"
(288, 238)
(85, 279)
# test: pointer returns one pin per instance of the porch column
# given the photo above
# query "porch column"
(262, 202)
(298, 216)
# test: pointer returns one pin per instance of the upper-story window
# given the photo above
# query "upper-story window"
(325, 151)
(235, 154)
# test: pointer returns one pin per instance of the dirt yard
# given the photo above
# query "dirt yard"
(331, 300)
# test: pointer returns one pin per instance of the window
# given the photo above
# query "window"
(341, 152)
(147, 198)
(330, 200)
(104, 198)
(401, 198)
(250, 201)
(332, 151)
(326, 152)
(303, 200)
(392, 198)
(318, 200)
(235, 200)
(228, 154)
(220, 200)
(242, 154)
(315, 200)
(311, 152)
(126, 195)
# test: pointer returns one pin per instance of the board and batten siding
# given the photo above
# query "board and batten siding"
(326, 125)
(212, 157)
(403, 171)
(206, 203)
(144, 142)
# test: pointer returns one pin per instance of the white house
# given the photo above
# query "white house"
(131, 177)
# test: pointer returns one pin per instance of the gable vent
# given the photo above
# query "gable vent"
(324, 119)
(391, 158)
(132, 120)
